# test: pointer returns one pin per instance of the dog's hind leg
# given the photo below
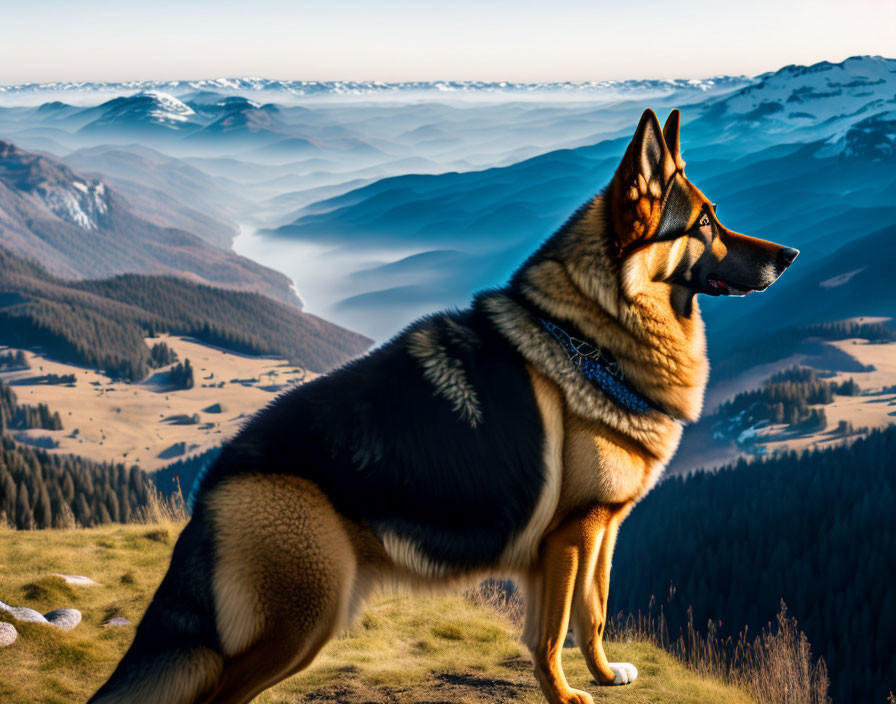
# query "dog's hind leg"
(284, 580)
(260, 580)
(589, 610)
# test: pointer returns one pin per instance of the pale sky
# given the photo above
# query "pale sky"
(394, 40)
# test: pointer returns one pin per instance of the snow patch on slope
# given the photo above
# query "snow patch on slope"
(858, 85)
(82, 205)
(169, 110)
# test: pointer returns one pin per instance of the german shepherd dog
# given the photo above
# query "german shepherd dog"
(510, 438)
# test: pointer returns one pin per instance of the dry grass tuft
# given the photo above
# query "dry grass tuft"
(775, 667)
(500, 596)
(162, 509)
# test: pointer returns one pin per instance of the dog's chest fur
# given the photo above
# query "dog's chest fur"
(601, 466)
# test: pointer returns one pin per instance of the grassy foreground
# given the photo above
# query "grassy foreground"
(405, 648)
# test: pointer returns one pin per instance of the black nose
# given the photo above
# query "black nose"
(787, 255)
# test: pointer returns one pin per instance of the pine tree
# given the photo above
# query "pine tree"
(82, 511)
(24, 517)
(43, 511)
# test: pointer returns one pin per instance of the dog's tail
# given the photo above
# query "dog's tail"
(175, 656)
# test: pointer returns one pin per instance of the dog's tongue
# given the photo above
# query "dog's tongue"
(729, 289)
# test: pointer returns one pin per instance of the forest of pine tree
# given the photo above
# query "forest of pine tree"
(784, 398)
(181, 375)
(13, 360)
(817, 530)
(846, 329)
(161, 355)
(102, 323)
(41, 490)
(181, 475)
(21, 416)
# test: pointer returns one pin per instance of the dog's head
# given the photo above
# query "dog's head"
(667, 230)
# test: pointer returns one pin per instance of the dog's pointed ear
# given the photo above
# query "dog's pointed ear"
(637, 188)
(672, 134)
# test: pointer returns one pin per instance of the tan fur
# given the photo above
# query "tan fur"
(564, 577)
(611, 457)
(523, 551)
(589, 609)
(660, 351)
(283, 581)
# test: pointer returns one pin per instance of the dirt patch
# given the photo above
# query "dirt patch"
(445, 688)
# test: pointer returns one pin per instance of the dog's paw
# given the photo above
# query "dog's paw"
(624, 672)
(577, 696)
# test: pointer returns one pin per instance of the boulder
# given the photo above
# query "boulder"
(23, 613)
(117, 621)
(8, 634)
(66, 619)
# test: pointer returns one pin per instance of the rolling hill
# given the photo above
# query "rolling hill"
(102, 322)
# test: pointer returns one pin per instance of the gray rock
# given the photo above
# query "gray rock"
(23, 613)
(66, 619)
(117, 621)
(8, 634)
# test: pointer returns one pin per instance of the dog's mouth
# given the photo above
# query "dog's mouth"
(723, 287)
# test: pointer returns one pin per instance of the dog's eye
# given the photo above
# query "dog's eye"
(704, 221)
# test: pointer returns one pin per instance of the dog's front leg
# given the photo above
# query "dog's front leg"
(589, 610)
(566, 566)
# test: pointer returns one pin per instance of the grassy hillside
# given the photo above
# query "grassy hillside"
(102, 323)
(404, 648)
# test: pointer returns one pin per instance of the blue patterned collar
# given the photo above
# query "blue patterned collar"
(600, 367)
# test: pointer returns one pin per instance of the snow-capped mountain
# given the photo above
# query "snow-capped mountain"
(236, 115)
(830, 179)
(304, 89)
(873, 138)
(844, 103)
(148, 108)
(82, 206)
(857, 86)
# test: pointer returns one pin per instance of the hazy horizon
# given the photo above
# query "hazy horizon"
(401, 40)
(435, 79)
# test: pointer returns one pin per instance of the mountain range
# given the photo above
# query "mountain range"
(242, 86)
(384, 201)
(819, 178)
(77, 226)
